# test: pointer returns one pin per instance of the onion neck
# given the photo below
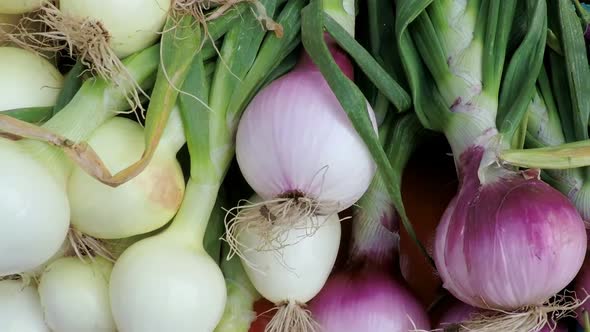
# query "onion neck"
(473, 123)
(375, 229)
(191, 221)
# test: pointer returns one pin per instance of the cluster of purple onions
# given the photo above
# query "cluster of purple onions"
(508, 243)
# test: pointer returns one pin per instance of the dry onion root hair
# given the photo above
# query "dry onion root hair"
(272, 220)
(208, 10)
(84, 39)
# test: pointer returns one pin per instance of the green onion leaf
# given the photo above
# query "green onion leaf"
(564, 156)
(428, 102)
(520, 77)
(272, 53)
(73, 82)
(36, 115)
(385, 83)
(577, 68)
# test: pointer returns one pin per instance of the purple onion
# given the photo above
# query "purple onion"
(509, 243)
(367, 300)
(295, 137)
(459, 312)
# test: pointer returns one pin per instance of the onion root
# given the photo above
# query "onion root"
(85, 38)
(88, 246)
(272, 220)
(292, 317)
(199, 9)
(530, 318)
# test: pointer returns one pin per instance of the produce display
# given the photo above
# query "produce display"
(294, 165)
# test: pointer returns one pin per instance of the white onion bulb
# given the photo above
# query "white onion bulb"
(34, 211)
(161, 284)
(145, 203)
(299, 270)
(27, 80)
(75, 295)
(20, 309)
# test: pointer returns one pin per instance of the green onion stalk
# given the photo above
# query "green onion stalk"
(472, 68)
(173, 266)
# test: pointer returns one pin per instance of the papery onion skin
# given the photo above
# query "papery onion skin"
(510, 243)
(458, 312)
(367, 300)
(295, 137)
(20, 309)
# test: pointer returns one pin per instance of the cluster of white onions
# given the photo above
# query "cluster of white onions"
(44, 195)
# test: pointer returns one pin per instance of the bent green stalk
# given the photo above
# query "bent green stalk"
(95, 102)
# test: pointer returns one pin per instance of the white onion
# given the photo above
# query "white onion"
(75, 295)
(131, 24)
(295, 137)
(27, 80)
(34, 211)
(168, 282)
(145, 203)
(298, 271)
(160, 285)
(20, 310)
